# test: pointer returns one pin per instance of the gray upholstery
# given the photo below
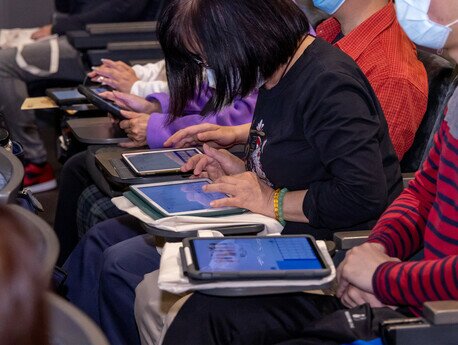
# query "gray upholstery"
(12, 172)
(49, 244)
(69, 326)
(441, 84)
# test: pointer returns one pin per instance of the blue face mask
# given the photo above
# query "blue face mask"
(413, 17)
(328, 6)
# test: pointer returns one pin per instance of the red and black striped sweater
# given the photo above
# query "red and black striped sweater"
(424, 215)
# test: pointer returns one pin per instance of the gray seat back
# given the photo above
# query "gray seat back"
(69, 326)
(43, 234)
(11, 175)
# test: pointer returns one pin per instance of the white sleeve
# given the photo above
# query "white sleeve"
(153, 79)
(145, 88)
(151, 71)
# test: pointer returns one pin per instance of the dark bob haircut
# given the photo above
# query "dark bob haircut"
(241, 40)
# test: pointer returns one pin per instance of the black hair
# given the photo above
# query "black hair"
(241, 40)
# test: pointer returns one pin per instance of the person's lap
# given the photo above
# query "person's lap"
(298, 318)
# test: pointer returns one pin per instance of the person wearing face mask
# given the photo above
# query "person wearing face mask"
(374, 275)
(319, 143)
(368, 31)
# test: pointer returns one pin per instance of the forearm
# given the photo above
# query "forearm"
(241, 133)
(292, 206)
(400, 230)
(413, 283)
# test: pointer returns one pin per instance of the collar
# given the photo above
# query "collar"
(357, 41)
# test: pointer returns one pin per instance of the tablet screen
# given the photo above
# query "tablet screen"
(68, 94)
(181, 197)
(153, 161)
(255, 254)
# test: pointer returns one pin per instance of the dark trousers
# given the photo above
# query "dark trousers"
(74, 179)
(298, 318)
(103, 272)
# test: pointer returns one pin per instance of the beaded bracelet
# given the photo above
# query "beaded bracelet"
(281, 198)
(276, 194)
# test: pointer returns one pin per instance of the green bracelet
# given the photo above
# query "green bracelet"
(281, 197)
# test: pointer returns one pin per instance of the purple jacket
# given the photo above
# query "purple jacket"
(238, 113)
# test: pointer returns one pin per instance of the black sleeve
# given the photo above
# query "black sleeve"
(343, 125)
(105, 12)
(63, 6)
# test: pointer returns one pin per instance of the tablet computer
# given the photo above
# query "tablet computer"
(253, 257)
(176, 198)
(158, 162)
(70, 95)
(100, 102)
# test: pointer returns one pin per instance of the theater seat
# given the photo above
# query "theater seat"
(43, 234)
(441, 84)
(11, 175)
(69, 326)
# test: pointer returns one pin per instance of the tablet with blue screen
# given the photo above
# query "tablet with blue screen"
(254, 257)
(182, 198)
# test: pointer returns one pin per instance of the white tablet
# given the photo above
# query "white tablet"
(160, 161)
(182, 198)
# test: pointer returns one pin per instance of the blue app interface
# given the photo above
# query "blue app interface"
(161, 160)
(255, 254)
(68, 94)
(183, 197)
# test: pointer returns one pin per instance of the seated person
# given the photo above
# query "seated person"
(373, 281)
(23, 314)
(54, 59)
(140, 80)
(146, 123)
(369, 33)
(318, 130)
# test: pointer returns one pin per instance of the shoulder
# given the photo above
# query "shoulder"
(333, 65)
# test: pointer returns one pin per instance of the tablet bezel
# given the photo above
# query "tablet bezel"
(100, 102)
(126, 156)
(191, 268)
(202, 212)
(51, 93)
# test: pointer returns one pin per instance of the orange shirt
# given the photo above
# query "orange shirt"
(389, 60)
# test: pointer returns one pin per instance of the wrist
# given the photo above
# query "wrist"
(278, 199)
(153, 107)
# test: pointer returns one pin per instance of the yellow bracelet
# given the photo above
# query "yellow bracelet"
(276, 194)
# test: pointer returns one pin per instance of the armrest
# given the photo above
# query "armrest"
(120, 28)
(438, 326)
(150, 45)
(441, 312)
(348, 239)
(406, 178)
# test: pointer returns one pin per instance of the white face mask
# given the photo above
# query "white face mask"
(211, 79)
(414, 19)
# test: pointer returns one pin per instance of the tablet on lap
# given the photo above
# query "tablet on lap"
(177, 198)
(253, 257)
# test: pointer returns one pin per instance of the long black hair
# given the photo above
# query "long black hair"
(241, 40)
